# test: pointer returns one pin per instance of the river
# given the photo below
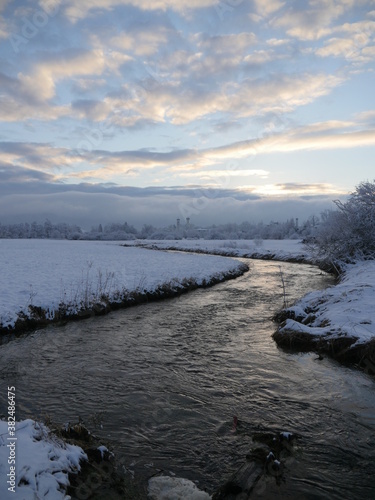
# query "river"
(161, 382)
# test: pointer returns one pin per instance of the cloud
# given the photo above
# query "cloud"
(279, 94)
(322, 136)
(267, 7)
(298, 189)
(37, 156)
(314, 22)
(29, 95)
(93, 164)
(92, 109)
(366, 118)
(41, 82)
(142, 42)
(87, 205)
(4, 29)
(78, 10)
(17, 174)
(357, 45)
(186, 76)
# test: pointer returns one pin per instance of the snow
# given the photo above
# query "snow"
(42, 462)
(103, 450)
(46, 273)
(174, 488)
(280, 249)
(344, 309)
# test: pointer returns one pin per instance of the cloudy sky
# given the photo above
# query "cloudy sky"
(148, 110)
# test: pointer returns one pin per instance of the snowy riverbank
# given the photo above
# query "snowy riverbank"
(35, 463)
(49, 280)
(339, 321)
(283, 250)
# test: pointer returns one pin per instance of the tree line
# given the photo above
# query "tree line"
(289, 229)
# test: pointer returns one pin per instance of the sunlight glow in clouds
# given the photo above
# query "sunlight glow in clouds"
(267, 98)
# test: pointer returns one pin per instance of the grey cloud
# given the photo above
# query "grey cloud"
(87, 204)
(91, 109)
(45, 187)
(10, 174)
(143, 156)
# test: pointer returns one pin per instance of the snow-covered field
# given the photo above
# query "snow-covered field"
(48, 273)
(41, 462)
(280, 249)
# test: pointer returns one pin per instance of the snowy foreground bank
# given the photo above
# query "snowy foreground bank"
(35, 463)
(49, 280)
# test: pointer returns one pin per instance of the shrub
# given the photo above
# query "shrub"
(348, 233)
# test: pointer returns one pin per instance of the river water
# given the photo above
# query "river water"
(161, 382)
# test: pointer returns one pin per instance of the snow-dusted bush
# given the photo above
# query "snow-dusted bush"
(348, 233)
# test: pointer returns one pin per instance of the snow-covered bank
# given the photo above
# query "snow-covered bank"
(41, 462)
(48, 280)
(340, 320)
(287, 250)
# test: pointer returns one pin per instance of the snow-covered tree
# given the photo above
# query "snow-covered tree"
(348, 233)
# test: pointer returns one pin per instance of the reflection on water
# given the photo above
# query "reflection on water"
(166, 379)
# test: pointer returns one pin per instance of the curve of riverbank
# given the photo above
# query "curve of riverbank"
(279, 250)
(39, 317)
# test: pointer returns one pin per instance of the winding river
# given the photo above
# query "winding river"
(160, 383)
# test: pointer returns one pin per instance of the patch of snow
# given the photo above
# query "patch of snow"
(174, 488)
(282, 249)
(344, 309)
(286, 435)
(103, 450)
(42, 462)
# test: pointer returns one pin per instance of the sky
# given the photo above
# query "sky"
(150, 110)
